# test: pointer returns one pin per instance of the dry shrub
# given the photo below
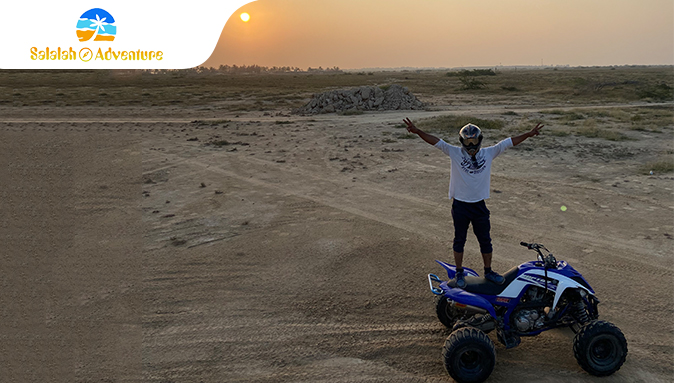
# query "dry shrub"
(594, 132)
(663, 165)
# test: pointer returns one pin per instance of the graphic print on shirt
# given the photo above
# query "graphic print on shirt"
(471, 166)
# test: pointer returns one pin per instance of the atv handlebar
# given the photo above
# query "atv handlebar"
(532, 246)
(549, 260)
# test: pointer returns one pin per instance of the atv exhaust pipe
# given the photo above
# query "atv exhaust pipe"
(469, 308)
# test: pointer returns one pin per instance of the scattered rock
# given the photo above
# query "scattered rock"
(394, 97)
(178, 241)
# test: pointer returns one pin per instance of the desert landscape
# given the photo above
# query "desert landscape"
(192, 226)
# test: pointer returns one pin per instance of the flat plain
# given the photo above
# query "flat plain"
(188, 227)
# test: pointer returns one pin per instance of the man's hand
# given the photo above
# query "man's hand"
(424, 136)
(534, 132)
(410, 126)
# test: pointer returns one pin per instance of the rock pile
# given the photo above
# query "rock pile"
(394, 97)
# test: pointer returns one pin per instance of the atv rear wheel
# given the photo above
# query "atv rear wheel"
(600, 348)
(469, 355)
(446, 313)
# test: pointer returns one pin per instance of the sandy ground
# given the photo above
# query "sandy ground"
(298, 252)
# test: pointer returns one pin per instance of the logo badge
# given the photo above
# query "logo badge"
(97, 25)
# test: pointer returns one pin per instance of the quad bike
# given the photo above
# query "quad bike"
(536, 296)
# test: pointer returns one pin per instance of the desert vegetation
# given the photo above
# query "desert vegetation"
(259, 88)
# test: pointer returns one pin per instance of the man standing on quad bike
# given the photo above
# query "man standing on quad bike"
(469, 186)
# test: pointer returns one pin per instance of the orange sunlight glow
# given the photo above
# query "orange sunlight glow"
(310, 33)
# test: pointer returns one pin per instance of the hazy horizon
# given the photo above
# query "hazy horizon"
(497, 67)
(353, 34)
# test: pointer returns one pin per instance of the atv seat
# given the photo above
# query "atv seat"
(479, 285)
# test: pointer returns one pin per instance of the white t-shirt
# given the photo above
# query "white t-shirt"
(469, 180)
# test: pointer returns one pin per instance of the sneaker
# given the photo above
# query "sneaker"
(494, 277)
(460, 279)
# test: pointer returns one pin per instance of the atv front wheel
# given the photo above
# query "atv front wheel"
(446, 313)
(469, 355)
(600, 348)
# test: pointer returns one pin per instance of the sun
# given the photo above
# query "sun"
(245, 17)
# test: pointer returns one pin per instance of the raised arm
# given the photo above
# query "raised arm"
(534, 132)
(431, 139)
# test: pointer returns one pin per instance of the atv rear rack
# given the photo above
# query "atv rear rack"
(434, 278)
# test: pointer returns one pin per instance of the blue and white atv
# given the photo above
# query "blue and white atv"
(536, 296)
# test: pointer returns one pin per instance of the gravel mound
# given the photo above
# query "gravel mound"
(394, 97)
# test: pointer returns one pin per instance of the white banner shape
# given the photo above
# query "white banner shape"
(120, 34)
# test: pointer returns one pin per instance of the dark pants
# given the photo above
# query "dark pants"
(465, 213)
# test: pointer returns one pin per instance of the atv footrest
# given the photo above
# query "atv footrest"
(508, 338)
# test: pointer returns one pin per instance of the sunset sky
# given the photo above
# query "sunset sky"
(354, 34)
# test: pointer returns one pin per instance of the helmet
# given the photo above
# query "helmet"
(471, 138)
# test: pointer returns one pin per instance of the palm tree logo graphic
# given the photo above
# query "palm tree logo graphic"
(96, 24)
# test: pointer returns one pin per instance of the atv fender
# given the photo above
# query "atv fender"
(563, 286)
(451, 270)
(466, 298)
